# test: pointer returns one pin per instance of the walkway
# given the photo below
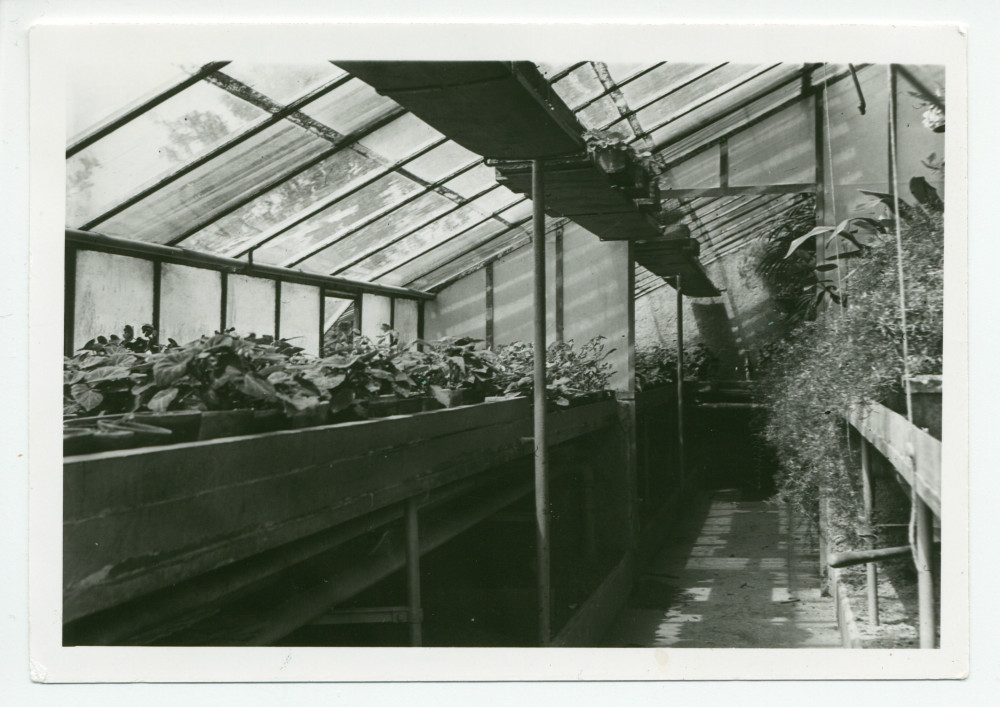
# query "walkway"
(731, 575)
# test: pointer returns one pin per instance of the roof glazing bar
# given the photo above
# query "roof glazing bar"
(382, 245)
(372, 218)
(217, 152)
(330, 201)
(145, 107)
(250, 196)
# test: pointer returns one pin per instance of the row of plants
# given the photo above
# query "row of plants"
(844, 345)
(227, 372)
(656, 365)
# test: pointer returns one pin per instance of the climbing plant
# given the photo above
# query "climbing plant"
(853, 353)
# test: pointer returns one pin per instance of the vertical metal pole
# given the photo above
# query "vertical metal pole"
(680, 380)
(866, 494)
(925, 578)
(413, 572)
(69, 303)
(541, 446)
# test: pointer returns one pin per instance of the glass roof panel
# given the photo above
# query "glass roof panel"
(517, 212)
(433, 257)
(550, 70)
(489, 250)
(337, 219)
(97, 95)
(441, 161)
(672, 150)
(472, 182)
(406, 218)
(404, 136)
(661, 80)
(495, 200)
(623, 72)
(579, 86)
(156, 143)
(335, 174)
(350, 107)
(212, 188)
(602, 113)
(677, 103)
(283, 83)
(435, 232)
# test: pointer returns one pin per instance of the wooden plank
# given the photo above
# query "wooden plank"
(914, 454)
(138, 520)
(496, 109)
(713, 192)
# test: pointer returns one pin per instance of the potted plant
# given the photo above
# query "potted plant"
(627, 169)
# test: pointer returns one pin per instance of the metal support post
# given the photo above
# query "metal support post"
(413, 571)
(925, 577)
(541, 445)
(680, 381)
(866, 493)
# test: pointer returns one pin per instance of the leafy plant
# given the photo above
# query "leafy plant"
(452, 363)
(853, 355)
(657, 364)
(569, 373)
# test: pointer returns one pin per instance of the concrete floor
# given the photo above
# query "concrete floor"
(734, 573)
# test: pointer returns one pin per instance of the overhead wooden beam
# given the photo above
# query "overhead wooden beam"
(697, 193)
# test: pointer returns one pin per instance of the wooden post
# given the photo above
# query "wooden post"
(680, 381)
(413, 571)
(866, 492)
(925, 577)
(541, 443)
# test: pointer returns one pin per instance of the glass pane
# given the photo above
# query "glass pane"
(350, 107)
(283, 83)
(436, 232)
(450, 248)
(250, 305)
(211, 188)
(459, 265)
(97, 94)
(403, 219)
(517, 212)
(672, 106)
(699, 171)
(190, 302)
(473, 182)
(232, 233)
(672, 149)
(661, 80)
(144, 150)
(579, 86)
(111, 291)
(779, 150)
(334, 221)
(300, 315)
(401, 138)
(442, 161)
(549, 70)
(622, 72)
(602, 113)
(495, 200)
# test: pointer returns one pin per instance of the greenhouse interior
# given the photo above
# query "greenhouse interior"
(495, 353)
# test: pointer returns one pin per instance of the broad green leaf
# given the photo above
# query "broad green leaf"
(106, 373)
(254, 387)
(794, 245)
(161, 401)
(87, 397)
(171, 367)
